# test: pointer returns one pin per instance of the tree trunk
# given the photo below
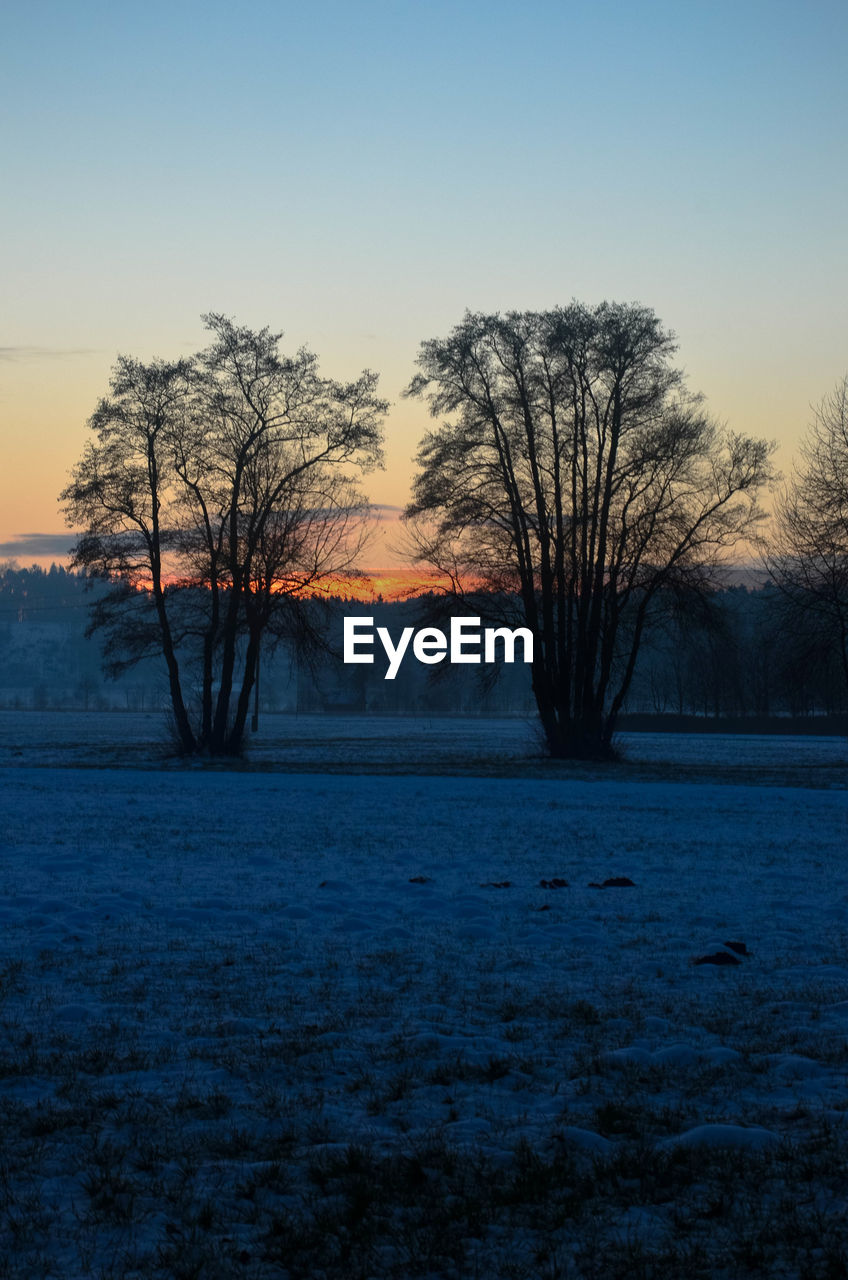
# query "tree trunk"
(578, 737)
(236, 734)
(219, 741)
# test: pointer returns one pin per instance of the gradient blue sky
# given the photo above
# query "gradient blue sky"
(358, 174)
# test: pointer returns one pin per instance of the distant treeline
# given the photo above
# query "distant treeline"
(738, 659)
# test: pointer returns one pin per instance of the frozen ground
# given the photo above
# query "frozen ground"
(391, 744)
(269, 1024)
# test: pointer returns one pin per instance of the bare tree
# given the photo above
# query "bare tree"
(119, 493)
(809, 554)
(218, 490)
(574, 479)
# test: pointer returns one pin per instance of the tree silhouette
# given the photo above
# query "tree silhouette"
(574, 478)
(217, 491)
(809, 554)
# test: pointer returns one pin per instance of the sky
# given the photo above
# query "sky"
(357, 175)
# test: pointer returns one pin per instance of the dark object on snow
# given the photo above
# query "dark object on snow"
(556, 883)
(720, 957)
(738, 947)
(419, 879)
(616, 882)
(497, 884)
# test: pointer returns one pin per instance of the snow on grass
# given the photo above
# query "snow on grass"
(423, 744)
(265, 1024)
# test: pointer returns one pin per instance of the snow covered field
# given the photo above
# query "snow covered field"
(397, 744)
(265, 1024)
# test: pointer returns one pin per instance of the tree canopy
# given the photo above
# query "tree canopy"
(575, 477)
(216, 491)
(809, 554)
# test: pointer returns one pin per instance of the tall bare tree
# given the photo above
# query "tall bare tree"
(575, 478)
(809, 553)
(218, 490)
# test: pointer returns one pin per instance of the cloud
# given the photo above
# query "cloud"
(39, 544)
(17, 355)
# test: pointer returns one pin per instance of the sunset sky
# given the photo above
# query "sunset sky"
(357, 174)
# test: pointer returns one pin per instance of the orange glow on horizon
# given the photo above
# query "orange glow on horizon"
(386, 584)
(368, 587)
